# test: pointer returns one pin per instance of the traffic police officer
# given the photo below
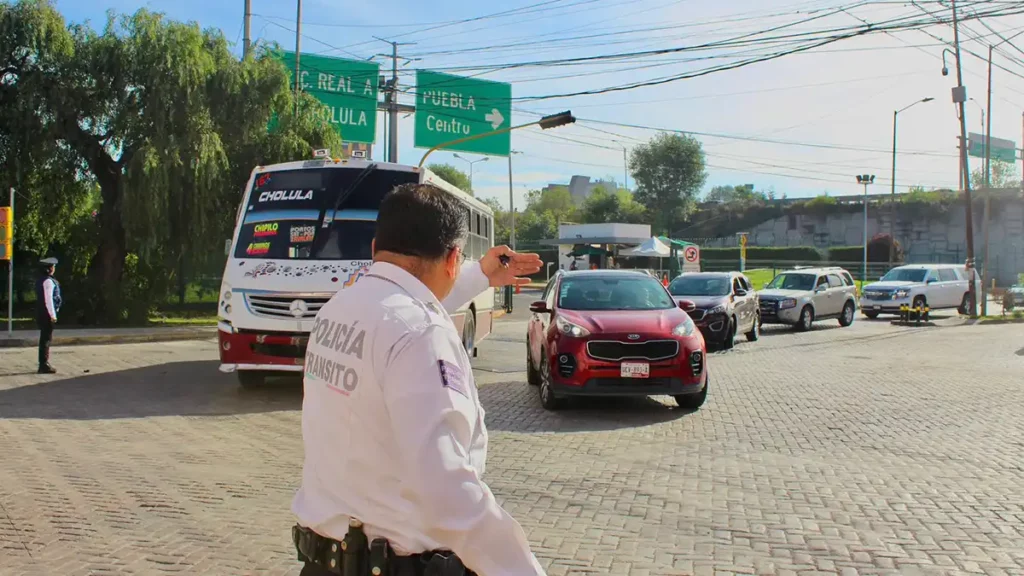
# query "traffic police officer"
(392, 426)
(48, 302)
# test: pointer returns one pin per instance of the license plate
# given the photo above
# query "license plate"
(877, 307)
(635, 370)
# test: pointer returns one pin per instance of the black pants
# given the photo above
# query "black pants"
(310, 569)
(45, 337)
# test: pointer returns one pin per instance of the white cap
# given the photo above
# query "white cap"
(51, 261)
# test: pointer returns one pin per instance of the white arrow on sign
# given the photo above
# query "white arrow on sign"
(495, 118)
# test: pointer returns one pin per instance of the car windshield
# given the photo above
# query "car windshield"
(905, 275)
(793, 282)
(291, 216)
(695, 285)
(613, 293)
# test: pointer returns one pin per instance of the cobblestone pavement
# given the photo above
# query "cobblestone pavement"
(868, 450)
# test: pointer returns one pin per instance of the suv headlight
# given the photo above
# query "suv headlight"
(570, 329)
(720, 309)
(787, 303)
(685, 328)
(901, 293)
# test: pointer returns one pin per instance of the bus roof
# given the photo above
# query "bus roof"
(360, 163)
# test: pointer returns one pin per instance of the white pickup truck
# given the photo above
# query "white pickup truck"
(938, 286)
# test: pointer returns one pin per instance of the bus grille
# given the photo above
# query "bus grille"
(285, 306)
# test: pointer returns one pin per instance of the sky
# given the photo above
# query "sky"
(801, 125)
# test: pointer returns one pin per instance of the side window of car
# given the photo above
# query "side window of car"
(548, 290)
(835, 281)
(932, 275)
(737, 284)
(947, 275)
(746, 283)
(552, 293)
(822, 281)
(847, 279)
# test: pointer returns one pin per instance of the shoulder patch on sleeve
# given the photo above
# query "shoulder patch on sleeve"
(452, 377)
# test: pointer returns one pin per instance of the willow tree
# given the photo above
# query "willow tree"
(165, 121)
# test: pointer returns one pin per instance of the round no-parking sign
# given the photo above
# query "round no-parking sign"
(691, 253)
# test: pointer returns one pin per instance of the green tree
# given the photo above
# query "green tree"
(744, 193)
(669, 172)
(556, 200)
(161, 120)
(604, 206)
(1002, 175)
(453, 176)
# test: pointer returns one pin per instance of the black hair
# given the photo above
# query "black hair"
(420, 220)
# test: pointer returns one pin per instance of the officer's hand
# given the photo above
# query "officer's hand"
(54, 320)
(520, 265)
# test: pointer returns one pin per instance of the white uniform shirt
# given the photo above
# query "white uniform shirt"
(49, 286)
(393, 428)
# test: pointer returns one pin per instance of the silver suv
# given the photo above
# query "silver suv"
(801, 296)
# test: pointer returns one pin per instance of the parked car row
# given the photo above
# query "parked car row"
(623, 333)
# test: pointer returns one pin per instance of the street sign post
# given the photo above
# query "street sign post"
(7, 253)
(347, 88)
(452, 107)
(1004, 150)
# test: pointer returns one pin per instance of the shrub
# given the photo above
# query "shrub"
(773, 253)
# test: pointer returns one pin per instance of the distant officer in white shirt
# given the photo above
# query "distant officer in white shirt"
(392, 425)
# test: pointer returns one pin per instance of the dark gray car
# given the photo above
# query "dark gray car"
(726, 305)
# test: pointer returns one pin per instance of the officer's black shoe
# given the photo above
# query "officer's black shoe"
(47, 369)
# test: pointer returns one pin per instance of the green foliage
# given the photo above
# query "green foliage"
(1002, 175)
(152, 123)
(453, 176)
(764, 253)
(669, 172)
(878, 251)
(605, 206)
(743, 194)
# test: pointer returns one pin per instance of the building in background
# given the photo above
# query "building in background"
(580, 187)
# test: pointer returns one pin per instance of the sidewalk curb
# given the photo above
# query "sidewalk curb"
(94, 339)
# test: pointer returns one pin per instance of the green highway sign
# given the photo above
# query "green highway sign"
(1004, 150)
(346, 88)
(453, 107)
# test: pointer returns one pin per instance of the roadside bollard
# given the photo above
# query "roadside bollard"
(926, 311)
(904, 313)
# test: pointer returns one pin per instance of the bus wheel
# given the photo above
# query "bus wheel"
(469, 332)
(250, 379)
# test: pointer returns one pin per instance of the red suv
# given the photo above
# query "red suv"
(613, 333)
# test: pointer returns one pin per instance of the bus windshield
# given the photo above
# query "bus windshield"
(290, 214)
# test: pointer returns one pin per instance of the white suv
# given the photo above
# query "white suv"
(938, 286)
(801, 296)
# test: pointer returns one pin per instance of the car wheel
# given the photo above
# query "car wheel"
(548, 400)
(694, 401)
(250, 379)
(848, 314)
(806, 321)
(965, 304)
(730, 336)
(870, 315)
(919, 302)
(469, 332)
(532, 375)
(755, 330)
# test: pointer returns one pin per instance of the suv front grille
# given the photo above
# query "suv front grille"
(769, 309)
(285, 306)
(697, 314)
(875, 295)
(612, 351)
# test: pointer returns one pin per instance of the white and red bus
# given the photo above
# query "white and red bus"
(302, 233)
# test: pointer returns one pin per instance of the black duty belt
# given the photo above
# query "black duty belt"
(376, 560)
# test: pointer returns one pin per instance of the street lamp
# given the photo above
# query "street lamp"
(511, 202)
(865, 179)
(471, 162)
(545, 123)
(892, 195)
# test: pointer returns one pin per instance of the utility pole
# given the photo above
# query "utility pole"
(988, 191)
(247, 37)
(10, 274)
(298, 49)
(960, 97)
(391, 104)
(865, 179)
